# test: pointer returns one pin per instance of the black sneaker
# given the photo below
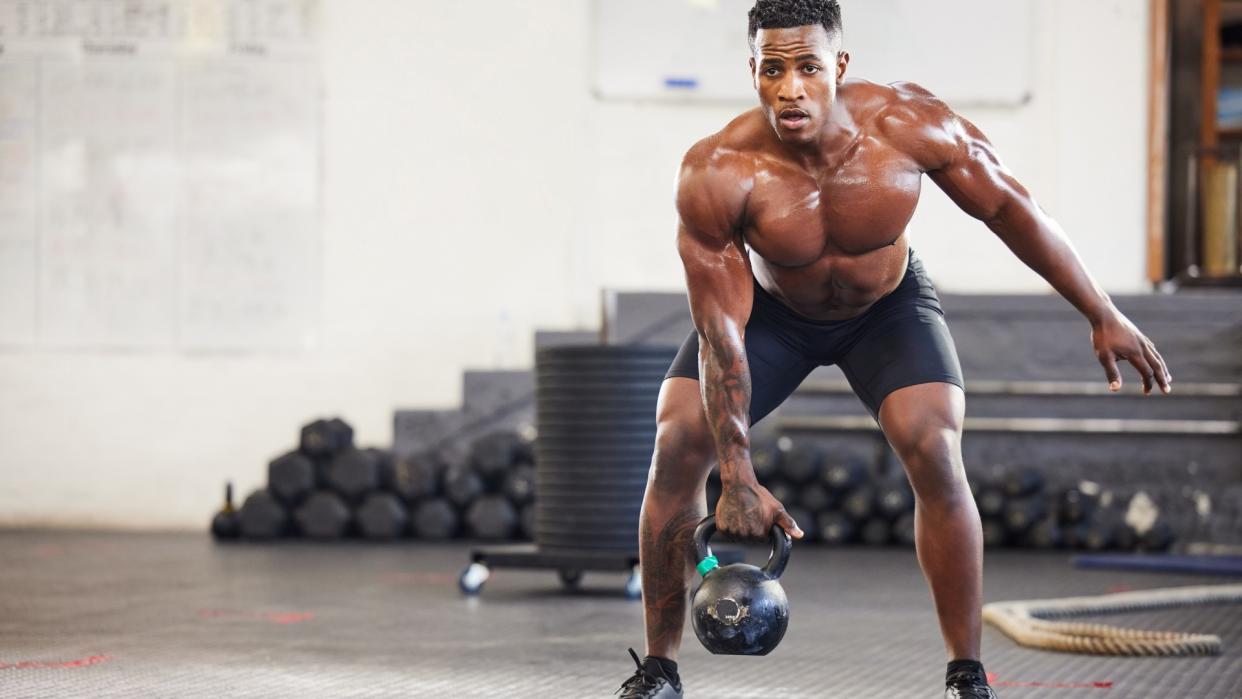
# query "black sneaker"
(968, 685)
(646, 684)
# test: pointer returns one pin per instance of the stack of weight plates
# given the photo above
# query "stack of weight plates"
(595, 410)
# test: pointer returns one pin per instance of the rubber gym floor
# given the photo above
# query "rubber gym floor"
(175, 615)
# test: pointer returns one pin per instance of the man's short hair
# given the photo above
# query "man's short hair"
(781, 14)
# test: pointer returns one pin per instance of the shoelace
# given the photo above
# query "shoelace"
(641, 681)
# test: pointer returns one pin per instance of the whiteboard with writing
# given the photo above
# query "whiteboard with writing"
(975, 52)
(159, 174)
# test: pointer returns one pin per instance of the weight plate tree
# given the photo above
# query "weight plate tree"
(595, 416)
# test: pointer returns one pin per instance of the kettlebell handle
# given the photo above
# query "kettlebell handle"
(782, 545)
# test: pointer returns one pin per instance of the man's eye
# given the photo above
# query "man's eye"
(771, 72)
(810, 69)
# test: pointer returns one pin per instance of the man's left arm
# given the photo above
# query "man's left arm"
(963, 163)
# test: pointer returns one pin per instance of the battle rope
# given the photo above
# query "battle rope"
(1029, 622)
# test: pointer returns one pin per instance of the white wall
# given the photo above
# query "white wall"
(469, 176)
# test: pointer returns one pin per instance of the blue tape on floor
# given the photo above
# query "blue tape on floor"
(1197, 565)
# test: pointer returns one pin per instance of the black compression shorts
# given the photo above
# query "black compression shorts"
(902, 340)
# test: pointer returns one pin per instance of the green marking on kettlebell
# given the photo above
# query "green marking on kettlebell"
(707, 565)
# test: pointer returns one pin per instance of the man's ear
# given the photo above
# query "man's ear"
(843, 62)
(754, 79)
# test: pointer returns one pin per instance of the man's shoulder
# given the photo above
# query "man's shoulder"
(736, 144)
(717, 173)
(878, 104)
(906, 116)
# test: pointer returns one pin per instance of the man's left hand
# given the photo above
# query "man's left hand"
(1115, 338)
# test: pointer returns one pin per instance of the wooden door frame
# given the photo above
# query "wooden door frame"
(1158, 143)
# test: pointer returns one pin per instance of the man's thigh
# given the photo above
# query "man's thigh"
(907, 345)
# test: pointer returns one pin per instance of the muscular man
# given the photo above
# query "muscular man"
(792, 233)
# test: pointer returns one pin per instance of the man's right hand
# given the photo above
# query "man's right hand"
(748, 511)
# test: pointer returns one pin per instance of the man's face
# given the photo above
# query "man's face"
(796, 72)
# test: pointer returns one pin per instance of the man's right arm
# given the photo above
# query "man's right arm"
(711, 200)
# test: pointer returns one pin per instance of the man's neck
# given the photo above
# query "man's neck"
(830, 146)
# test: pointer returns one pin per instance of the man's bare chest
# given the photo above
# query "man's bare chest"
(794, 218)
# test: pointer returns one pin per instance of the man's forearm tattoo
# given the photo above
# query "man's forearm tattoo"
(726, 394)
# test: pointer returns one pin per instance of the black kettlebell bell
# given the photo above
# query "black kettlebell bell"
(740, 609)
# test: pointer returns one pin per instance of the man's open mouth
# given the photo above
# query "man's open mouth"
(794, 118)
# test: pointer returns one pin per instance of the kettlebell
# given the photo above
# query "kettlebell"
(740, 609)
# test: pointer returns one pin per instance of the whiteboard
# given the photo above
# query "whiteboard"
(159, 174)
(968, 52)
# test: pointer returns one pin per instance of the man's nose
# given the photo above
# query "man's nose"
(791, 89)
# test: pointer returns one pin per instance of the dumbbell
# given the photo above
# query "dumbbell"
(262, 517)
(382, 516)
(1074, 505)
(387, 465)
(815, 498)
(519, 485)
(844, 476)
(994, 534)
(462, 485)
(493, 454)
(417, 476)
(1158, 539)
(836, 528)
(492, 517)
(801, 464)
(435, 519)
(991, 501)
(323, 515)
(1045, 534)
(784, 493)
(895, 500)
(526, 522)
(805, 520)
(324, 438)
(352, 474)
(225, 525)
(903, 529)
(876, 531)
(1021, 515)
(860, 504)
(1108, 531)
(766, 461)
(291, 477)
(1022, 482)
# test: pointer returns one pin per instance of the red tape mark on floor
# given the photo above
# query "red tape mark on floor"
(62, 665)
(995, 682)
(271, 617)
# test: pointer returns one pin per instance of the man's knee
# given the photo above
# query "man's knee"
(932, 457)
(684, 452)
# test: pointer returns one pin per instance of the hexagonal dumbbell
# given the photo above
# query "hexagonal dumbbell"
(435, 520)
(418, 476)
(323, 516)
(352, 474)
(263, 517)
(291, 477)
(323, 438)
(382, 516)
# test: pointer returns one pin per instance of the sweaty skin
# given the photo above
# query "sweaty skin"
(811, 193)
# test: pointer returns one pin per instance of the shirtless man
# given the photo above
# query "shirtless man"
(792, 234)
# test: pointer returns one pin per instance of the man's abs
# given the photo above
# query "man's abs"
(836, 286)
